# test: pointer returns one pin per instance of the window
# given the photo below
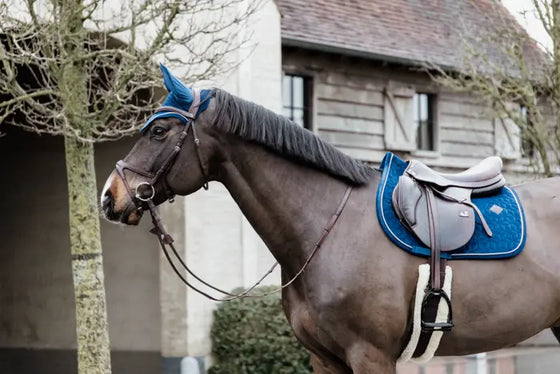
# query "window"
(424, 120)
(410, 119)
(296, 99)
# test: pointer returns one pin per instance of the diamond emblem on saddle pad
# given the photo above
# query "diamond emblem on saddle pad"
(496, 209)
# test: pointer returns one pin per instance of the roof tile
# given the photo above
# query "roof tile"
(413, 31)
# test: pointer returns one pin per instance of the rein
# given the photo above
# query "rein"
(166, 240)
(144, 193)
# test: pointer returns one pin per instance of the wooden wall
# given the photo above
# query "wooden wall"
(349, 110)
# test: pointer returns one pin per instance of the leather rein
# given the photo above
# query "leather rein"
(143, 195)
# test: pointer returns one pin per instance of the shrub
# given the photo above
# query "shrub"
(252, 336)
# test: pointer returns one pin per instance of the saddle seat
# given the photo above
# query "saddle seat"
(483, 178)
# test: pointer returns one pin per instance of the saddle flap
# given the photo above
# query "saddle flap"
(455, 222)
(406, 197)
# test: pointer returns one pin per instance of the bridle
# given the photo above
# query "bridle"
(139, 195)
(142, 197)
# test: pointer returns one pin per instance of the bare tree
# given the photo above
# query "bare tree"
(513, 74)
(85, 70)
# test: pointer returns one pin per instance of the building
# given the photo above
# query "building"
(366, 69)
(349, 71)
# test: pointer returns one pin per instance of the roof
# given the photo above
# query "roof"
(413, 32)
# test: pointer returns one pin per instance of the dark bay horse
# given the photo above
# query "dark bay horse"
(352, 306)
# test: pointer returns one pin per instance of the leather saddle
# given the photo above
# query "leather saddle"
(424, 197)
(437, 208)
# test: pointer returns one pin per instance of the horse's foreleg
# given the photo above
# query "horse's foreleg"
(556, 332)
(323, 367)
(366, 359)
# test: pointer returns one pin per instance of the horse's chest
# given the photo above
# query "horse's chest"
(300, 319)
(304, 322)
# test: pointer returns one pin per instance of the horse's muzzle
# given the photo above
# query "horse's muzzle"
(130, 215)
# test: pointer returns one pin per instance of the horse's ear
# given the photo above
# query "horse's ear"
(174, 85)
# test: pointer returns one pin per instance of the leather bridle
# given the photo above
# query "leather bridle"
(142, 197)
(145, 191)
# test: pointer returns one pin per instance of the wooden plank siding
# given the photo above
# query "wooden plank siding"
(465, 131)
(353, 140)
(338, 122)
(348, 110)
(349, 117)
(349, 94)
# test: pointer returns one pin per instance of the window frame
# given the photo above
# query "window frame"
(434, 110)
(428, 125)
(309, 100)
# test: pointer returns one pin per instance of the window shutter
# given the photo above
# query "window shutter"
(507, 139)
(400, 132)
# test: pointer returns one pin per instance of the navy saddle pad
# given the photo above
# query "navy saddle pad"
(503, 213)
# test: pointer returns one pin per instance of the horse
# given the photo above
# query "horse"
(352, 306)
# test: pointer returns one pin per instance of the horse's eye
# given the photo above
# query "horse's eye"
(158, 131)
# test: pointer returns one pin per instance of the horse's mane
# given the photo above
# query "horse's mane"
(255, 123)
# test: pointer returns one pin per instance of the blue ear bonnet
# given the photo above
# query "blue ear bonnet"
(179, 97)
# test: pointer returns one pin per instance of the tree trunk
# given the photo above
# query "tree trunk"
(87, 260)
(94, 355)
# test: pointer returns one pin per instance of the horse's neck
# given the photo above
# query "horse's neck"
(288, 204)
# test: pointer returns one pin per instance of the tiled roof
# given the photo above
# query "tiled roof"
(407, 31)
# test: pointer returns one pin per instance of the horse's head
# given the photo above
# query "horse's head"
(170, 158)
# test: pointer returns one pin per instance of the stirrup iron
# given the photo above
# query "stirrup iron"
(436, 326)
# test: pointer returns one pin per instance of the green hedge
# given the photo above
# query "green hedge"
(252, 336)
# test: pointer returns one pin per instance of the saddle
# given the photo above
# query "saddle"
(437, 208)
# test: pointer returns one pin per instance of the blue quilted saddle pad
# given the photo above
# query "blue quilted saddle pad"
(503, 213)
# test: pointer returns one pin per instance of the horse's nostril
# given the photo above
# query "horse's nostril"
(107, 202)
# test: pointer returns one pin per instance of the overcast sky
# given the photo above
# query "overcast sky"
(529, 20)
